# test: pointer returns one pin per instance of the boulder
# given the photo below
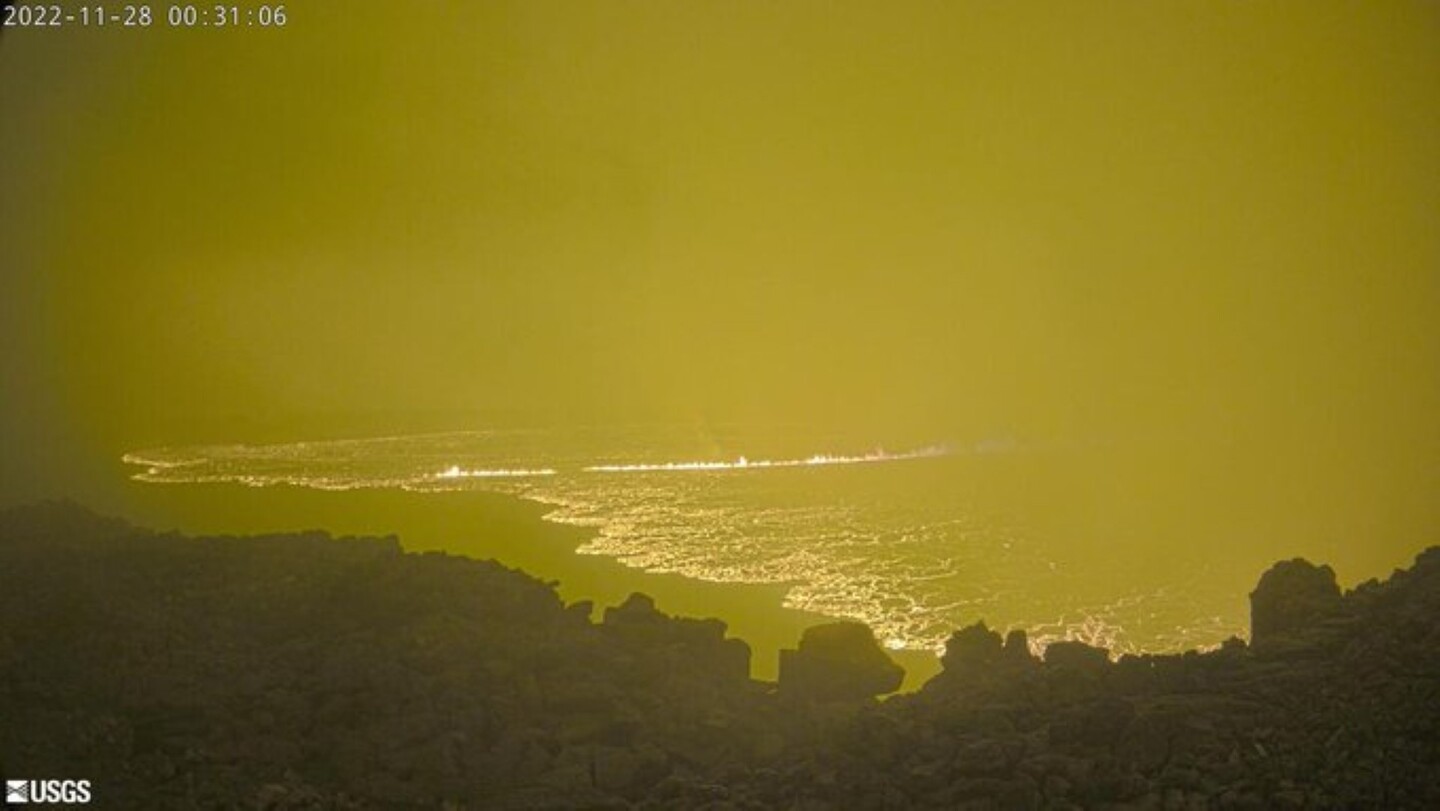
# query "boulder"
(675, 644)
(1290, 597)
(1017, 647)
(838, 661)
(972, 648)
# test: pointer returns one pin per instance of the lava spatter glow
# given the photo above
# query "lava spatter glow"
(744, 463)
(457, 472)
(914, 551)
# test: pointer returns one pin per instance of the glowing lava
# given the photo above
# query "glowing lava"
(457, 472)
(743, 463)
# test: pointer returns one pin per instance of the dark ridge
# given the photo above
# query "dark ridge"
(304, 671)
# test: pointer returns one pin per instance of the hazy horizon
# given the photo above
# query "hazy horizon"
(1206, 232)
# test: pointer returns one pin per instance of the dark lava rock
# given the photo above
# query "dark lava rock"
(680, 644)
(1292, 596)
(1077, 656)
(974, 647)
(304, 671)
(1017, 647)
(637, 610)
(1096, 724)
(839, 661)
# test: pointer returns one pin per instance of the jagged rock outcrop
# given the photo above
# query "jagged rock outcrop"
(308, 671)
(972, 648)
(303, 671)
(638, 610)
(838, 661)
(1292, 596)
(685, 645)
(1017, 646)
(1335, 707)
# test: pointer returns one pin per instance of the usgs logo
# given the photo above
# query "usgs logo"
(23, 792)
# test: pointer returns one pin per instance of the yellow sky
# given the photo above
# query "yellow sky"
(1064, 220)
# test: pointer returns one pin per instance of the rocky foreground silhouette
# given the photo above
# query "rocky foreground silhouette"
(302, 671)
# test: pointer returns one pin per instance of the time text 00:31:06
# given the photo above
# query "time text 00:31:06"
(36, 15)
